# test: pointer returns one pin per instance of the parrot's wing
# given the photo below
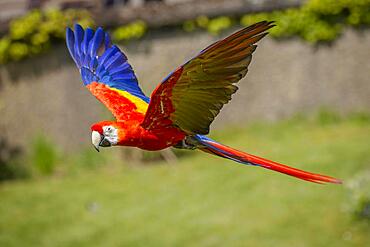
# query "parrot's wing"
(106, 72)
(192, 96)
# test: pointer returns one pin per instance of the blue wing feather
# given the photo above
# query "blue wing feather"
(79, 32)
(107, 40)
(96, 42)
(70, 40)
(89, 33)
(110, 68)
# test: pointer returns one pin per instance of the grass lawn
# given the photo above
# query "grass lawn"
(202, 200)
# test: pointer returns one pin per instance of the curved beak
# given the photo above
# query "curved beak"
(96, 139)
(99, 140)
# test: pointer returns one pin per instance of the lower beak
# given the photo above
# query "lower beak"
(97, 148)
(104, 142)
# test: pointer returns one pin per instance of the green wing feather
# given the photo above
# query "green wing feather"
(207, 81)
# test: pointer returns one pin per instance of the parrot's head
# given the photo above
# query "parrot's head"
(104, 134)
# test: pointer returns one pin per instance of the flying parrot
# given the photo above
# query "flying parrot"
(181, 109)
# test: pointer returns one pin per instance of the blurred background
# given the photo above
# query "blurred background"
(305, 102)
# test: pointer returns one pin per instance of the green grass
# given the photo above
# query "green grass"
(202, 200)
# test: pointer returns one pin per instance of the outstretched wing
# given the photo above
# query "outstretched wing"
(192, 96)
(106, 72)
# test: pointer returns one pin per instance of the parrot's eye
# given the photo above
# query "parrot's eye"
(108, 130)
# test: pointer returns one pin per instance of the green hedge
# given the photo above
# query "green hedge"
(315, 21)
(134, 30)
(36, 31)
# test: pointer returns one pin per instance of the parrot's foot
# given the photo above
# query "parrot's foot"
(184, 145)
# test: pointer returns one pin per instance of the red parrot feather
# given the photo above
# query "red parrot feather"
(122, 107)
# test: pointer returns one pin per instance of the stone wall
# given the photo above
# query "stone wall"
(45, 94)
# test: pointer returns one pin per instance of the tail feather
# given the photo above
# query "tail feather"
(208, 145)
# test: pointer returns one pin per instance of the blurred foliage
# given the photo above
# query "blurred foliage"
(326, 117)
(213, 26)
(134, 30)
(10, 163)
(315, 21)
(90, 158)
(359, 203)
(36, 31)
(219, 24)
(43, 155)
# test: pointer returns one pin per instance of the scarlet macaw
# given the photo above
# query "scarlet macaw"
(182, 107)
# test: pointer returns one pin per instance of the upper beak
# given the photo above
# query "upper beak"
(96, 139)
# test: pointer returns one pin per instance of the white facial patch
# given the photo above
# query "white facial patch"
(111, 134)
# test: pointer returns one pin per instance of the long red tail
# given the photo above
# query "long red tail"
(210, 146)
